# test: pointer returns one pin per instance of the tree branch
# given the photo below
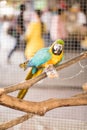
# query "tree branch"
(43, 107)
(72, 61)
(40, 108)
(14, 122)
(29, 83)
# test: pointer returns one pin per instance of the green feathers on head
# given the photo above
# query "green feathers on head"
(60, 41)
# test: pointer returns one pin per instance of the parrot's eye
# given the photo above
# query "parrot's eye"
(57, 49)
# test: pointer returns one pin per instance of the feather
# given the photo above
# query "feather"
(23, 92)
(40, 58)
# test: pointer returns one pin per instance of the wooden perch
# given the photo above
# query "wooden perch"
(84, 86)
(40, 108)
(29, 83)
(14, 122)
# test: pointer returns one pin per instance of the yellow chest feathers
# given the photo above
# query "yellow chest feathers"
(54, 60)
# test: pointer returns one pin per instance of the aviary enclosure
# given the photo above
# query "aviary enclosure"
(51, 103)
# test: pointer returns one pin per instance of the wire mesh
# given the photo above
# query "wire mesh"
(63, 19)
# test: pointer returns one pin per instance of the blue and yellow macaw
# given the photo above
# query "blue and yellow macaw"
(43, 58)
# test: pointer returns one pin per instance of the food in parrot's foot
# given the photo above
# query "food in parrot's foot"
(51, 71)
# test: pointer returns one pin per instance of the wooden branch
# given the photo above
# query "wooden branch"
(40, 108)
(14, 122)
(80, 99)
(29, 83)
(84, 86)
(81, 95)
(72, 61)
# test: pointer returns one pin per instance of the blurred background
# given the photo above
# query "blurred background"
(65, 19)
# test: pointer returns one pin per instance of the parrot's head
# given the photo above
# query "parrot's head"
(57, 47)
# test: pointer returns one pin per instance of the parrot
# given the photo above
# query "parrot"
(44, 57)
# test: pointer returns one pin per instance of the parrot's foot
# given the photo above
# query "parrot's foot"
(51, 71)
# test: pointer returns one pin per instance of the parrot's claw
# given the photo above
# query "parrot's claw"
(51, 71)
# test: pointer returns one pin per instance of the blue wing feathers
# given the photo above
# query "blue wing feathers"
(40, 58)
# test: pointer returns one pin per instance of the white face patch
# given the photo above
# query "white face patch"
(57, 46)
(57, 49)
